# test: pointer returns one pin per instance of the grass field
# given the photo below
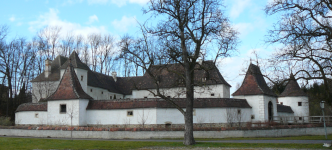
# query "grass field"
(7, 143)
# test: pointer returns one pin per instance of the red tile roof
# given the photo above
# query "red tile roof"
(32, 107)
(292, 88)
(254, 83)
(160, 103)
(69, 87)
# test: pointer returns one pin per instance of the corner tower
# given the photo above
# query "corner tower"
(294, 97)
(259, 96)
(67, 105)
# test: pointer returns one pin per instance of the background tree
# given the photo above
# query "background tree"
(305, 31)
(187, 29)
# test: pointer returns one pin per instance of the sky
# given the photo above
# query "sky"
(119, 17)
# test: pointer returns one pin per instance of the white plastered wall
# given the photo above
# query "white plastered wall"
(268, 99)
(31, 118)
(102, 94)
(201, 115)
(218, 91)
(119, 116)
(75, 115)
(293, 103)
(259, 104)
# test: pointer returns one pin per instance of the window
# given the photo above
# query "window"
(82, 78)
(212, 94)
(114, 97)
(168, 96)
(130, 113)
(252, 116)
(204, 79)
(145, 97)
(90, 90)
(281, 103)
(110, 97)
(239, 111)
(168, 125)
(102, 92)
(63, 108)
(299, 103)
(300, 118)
(36, 115)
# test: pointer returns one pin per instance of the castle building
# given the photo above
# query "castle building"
(69, 93)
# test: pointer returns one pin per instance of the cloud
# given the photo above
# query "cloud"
(124, 23)
(92, 19)
(238, 7)
(51, 18)
(12, 19)
(118, 2)
(244, 28)
(71, 2)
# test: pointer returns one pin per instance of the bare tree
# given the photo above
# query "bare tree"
(143, 118)
(49, 40)
(233, 116)
(94, 42)
(71, 114)
(305, 30)
(188, 30)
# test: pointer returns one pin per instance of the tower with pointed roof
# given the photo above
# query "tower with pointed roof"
(294, 97)
(259, 96)
(67, 105)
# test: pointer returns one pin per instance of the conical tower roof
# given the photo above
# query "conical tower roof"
(254, 83)
(69, 87)
(292, 88)
(75, 61)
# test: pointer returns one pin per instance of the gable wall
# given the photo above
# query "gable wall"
(75, 114)
(43, 89)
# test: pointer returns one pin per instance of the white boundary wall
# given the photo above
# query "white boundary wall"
(164, 134)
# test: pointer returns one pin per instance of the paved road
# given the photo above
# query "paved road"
(214, 141)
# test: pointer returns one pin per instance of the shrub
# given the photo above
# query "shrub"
(5, 121)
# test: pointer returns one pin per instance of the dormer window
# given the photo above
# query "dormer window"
(82, 78)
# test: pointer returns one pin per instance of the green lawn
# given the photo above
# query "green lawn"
(7, 143)
(316, 137)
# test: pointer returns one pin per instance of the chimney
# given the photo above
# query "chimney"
(114, 75)
(200, 61)
(47, 67)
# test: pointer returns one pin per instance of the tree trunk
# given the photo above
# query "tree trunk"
(188, 117)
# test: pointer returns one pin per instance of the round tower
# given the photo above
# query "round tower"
(294, 97)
